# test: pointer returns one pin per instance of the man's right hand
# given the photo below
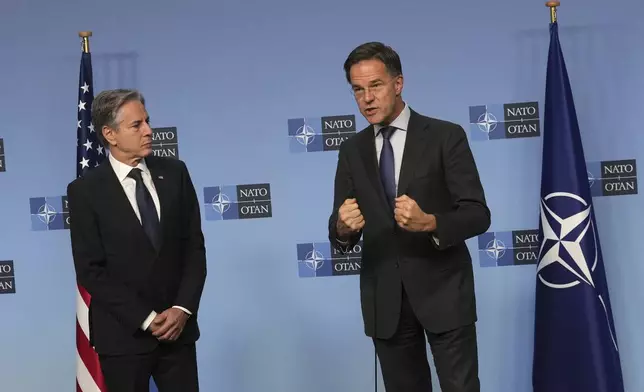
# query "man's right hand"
(157, 322)
(350, 219)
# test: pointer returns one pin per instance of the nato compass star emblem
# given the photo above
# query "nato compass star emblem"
(561, 242)
(314, 260)
(46, 214)
(221, 203)
(487, 122)
(495, 249)
(563, 262)
(305, 135)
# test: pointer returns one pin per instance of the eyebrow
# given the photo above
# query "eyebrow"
(137, 122)
(371, 82)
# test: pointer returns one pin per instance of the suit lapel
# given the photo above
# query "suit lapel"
(415, 144)
(368, 152)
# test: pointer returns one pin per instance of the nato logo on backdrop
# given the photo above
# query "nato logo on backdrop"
(2, 160)
(7, 277)
(49, 213)
(313, 134)
(318, 259)
(504, 121)
(165, 142)
(504, 248)
(247, 201)
(612, 178)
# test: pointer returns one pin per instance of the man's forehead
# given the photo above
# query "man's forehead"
(134, 111)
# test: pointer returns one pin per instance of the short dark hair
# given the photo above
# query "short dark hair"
(106, 106)
(374, 51)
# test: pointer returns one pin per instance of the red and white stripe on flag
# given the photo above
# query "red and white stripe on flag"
(89, 377)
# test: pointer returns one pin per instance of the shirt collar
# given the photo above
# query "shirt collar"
(122, 170)
(401, 122)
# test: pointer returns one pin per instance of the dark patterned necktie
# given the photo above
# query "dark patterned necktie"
(149, 216)
(387, 166)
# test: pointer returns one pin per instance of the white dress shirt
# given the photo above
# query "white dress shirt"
(129, 187)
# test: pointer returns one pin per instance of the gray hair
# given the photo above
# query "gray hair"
(106, 108)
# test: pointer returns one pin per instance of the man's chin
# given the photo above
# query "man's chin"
(147, 152)
(377, 118)
(374, 119)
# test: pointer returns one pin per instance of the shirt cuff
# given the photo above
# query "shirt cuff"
(182, 308)
(148, 320)
(435, 240)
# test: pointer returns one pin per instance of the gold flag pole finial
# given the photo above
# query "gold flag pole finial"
(553, 10)
(85, 36)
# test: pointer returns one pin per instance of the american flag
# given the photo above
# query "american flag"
(89, 154)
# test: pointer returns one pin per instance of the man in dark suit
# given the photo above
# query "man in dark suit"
(408, 184)
(139, 251)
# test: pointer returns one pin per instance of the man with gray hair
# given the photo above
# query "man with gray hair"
(139, 251)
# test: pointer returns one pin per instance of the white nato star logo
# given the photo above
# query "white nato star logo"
(91, 127)
(81, 106)
(495, 249)
(565, 242)
(85, 87)
(100, 149)
(220, 203)
(88, 145)
(305, 135)
(314, 260)
(559, 244)
(46, 214)
(84, 163)
(487, 122)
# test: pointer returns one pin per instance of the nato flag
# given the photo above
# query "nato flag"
(575, 346)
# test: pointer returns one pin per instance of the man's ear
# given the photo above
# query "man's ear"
(109, 135)
(398, 84)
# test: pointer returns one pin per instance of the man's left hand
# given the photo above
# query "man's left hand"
(173, 325)
(410, 216)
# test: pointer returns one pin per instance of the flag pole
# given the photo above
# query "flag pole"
(553, 10)
(85, 36)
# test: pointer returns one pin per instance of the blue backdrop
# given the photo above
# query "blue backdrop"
(229, 76)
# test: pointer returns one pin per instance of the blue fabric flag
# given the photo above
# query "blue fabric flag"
(89, 150)
(575, 345)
